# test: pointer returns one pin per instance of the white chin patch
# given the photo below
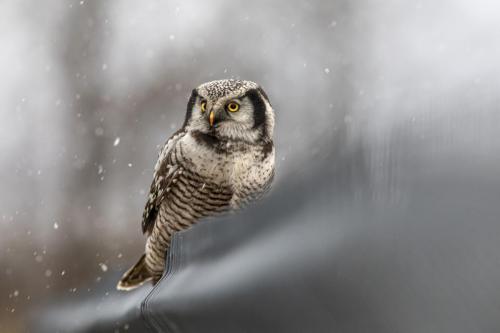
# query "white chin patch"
(234, 131)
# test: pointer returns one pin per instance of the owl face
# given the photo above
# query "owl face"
(230, 110)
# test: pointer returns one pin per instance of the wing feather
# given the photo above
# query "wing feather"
(164, 174)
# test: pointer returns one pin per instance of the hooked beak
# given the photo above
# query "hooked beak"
(211, 118)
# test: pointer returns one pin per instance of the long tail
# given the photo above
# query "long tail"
(135, 276)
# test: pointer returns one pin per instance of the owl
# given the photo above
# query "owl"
(221, 159)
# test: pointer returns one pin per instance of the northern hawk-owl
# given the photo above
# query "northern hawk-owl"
(221, 159)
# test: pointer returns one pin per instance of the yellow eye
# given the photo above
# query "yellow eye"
(203, 106)
(233, 107)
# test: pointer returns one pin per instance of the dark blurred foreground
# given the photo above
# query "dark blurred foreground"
(323, 254)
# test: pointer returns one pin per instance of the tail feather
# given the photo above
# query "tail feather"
(135, 276)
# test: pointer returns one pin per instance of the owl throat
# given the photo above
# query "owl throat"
(221, 144)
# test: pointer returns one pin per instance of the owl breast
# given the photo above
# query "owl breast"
(208, 180)
(206, 160)
(251, 175)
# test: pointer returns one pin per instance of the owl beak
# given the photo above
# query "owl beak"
(211, 118)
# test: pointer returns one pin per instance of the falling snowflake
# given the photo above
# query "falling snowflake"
(117, 141)
(104, 267)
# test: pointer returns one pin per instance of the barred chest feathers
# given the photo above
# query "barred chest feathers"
(237, 165)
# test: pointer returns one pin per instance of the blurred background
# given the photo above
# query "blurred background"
(90, 90)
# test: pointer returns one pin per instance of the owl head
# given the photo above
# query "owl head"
(230, 110)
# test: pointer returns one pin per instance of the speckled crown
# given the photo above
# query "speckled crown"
(220, 88)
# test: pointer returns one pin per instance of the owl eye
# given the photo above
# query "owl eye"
(233, 107)
(203, 106)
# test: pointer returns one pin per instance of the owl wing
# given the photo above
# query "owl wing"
(165, 172)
